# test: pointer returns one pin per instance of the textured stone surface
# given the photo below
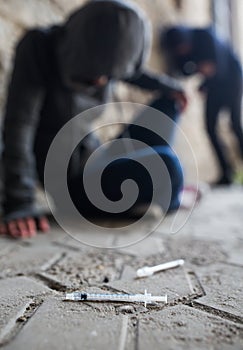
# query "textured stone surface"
(153, 246)
(177, 283)
(85, 236)
(17, 294)
(56, 318)
(28, 256)
(234, 251)
(223, 285)
(6, 246)
(204, 309)
(195, 251)
(83, 266)
(182, 327)
(93, 268)
(217, 217)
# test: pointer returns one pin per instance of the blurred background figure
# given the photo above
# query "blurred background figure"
(199, 51)
(61, 71)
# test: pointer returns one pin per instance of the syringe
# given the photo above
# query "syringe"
(150, 270)
(146, 298)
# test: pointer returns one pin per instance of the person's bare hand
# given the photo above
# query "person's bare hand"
(181, 98)
(24, 228)
(207, 68)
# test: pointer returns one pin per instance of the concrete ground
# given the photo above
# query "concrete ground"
(205, 296)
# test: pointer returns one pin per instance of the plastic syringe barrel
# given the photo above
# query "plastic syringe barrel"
(146, 298)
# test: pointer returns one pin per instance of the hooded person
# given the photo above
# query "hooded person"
(199, 50)
(58, 73)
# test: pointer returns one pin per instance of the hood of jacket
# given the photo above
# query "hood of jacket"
(104, 37)
(175, 36)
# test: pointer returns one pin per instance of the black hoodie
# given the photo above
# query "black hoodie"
(104, 37)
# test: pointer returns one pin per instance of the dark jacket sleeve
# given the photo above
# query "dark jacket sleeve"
(21, 118)
(209, 48)
(206, 46)
(155, 82)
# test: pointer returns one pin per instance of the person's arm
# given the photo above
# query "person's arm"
(22, 112)
(155, 82)
(161, 83)
(209, 57)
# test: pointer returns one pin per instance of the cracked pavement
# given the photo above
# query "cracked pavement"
(205, 296)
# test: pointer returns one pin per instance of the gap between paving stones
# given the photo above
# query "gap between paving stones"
(56, 258)
(186, 300)
(184, 327)
(54, 284)
(129, 336)
(16, 324)
(50, 282)
(132, 321)
(134, 314)
(216, 312)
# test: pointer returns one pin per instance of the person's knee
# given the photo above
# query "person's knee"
(176, 173)
(176, 178)
(173, 166)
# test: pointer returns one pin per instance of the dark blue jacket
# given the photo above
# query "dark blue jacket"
(205, 46)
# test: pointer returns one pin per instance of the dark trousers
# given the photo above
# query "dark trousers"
(216, 100)
(121, 169)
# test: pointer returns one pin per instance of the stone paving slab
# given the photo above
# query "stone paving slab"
(182, 327)
(204, 309)
(17, 294)
(7, 245)
(195, 251)
(131, 241)
(234, 251)
(70, 243)
(217, 217)
(99, 234)
(151, 245)
(70, 326)
(179, 284)
(223, 285)
(28, 256)
(94, 266)
(78, 269)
